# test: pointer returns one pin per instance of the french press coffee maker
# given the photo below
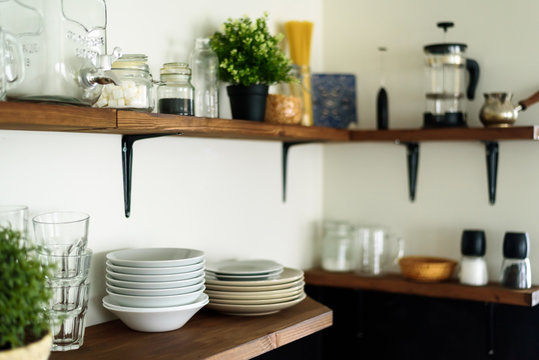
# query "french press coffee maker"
(447, 91)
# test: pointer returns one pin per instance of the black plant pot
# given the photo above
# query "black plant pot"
(248, 102)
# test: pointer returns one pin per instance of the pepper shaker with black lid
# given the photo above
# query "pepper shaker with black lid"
(473, 268)
(516, 271)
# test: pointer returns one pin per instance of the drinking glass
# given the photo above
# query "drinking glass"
(15, 217)
(62, 233)
(376, 249)
(67, 323)
(68, 269)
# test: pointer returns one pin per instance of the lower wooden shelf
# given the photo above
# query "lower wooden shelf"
(208, 335)
(395, 283)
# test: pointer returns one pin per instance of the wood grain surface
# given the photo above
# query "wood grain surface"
(208, 335)
(54, 117)
(395, 283)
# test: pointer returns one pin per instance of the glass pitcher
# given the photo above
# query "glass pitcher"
(64, 48)
(11, 63)
(447, 84)
(376, 249)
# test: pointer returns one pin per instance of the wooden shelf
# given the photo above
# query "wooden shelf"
(63, 117)
(448, 134)
(208, 335)
(394, 283)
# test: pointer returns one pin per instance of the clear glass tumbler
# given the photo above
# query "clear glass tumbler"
(62, 233)
(15, 217)
(67, 323)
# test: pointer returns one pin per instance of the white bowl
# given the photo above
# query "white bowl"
(155, 301)
(155, 292)
(155, 271)
(153, 284)
(155, 257)
(158, 319)
(155, 278)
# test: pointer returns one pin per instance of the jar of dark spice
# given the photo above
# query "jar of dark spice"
(516, 272)
(175, 92)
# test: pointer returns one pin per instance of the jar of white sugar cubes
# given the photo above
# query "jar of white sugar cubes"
(134, 85)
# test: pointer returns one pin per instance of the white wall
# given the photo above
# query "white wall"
(220, 196)
(368, 182)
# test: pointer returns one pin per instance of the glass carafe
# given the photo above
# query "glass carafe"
(376, 249)
(64, 47)
(451, 78)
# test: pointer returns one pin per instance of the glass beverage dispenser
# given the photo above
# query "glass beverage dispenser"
(446, 69)
(64, 48)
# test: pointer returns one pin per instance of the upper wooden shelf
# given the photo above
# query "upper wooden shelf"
(63, 117)
(394, 283)
(208, 335)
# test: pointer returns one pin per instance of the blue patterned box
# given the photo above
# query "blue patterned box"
(334, 100)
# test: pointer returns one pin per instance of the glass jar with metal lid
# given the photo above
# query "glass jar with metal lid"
(175, 93)
(133, 88)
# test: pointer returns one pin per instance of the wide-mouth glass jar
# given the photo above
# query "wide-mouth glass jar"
(175, 93)
(134, 85)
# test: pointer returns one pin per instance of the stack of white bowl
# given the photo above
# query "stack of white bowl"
(253, 287)
(155, 289)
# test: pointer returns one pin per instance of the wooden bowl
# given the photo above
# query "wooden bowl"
(427, 269)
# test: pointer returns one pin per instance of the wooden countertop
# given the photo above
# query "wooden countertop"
(208, 335)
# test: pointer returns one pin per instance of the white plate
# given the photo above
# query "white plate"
(244, 295)
(236, 288)
(154, 284)
(257, 301)
(287, 275)
(154, 271)
(155, 257)
(268, 276)
(253, 310)
(155, 292)
(155, 278)
(156, 319)
(154, 301)
(244, 267)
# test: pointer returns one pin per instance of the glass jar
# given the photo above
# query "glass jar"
(175, 93)
(337, 247)
(134, 85)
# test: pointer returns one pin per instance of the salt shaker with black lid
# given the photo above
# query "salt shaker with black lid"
(516, 272)
(473, 268)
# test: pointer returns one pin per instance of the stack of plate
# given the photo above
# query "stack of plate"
(155, 289)
(252, 287)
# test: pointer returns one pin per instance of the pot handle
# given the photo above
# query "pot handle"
(473, 69)
(529, 101)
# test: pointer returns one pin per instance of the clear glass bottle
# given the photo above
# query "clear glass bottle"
(205, 67)
(175, 92)
(472, 267)
(134, 85)
(337, 247)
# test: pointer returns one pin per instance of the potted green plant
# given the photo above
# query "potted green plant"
(24, 322)
(250, 60)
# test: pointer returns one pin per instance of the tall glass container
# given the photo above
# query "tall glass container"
(205, 79)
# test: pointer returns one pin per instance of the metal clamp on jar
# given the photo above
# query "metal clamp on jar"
(445, 76)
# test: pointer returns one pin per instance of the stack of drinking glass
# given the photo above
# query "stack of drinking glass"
(63, 238)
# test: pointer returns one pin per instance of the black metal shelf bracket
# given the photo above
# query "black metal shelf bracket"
(412, 155)
(286, 145)
(492, 150)
(127, 164)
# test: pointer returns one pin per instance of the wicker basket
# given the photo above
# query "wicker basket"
(429, 269)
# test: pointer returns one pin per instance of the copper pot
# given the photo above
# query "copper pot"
(498, 111)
